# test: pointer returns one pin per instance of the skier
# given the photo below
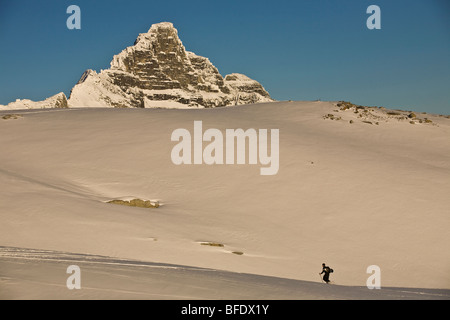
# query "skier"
(326, 270)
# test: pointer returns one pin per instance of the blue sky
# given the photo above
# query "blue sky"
(298, 50)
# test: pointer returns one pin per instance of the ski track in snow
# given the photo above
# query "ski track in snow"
(47, 255)
(143, 281)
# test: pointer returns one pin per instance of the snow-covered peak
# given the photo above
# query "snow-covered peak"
(158, 68)
(162, 25)
(157, 32)
(57, 101)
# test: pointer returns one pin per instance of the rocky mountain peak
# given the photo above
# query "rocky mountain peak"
(157, 71)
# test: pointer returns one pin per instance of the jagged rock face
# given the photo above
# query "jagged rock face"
(157, 71)
(249, 91)
(57, 101)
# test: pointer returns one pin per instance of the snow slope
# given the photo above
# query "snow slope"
(347, 194)
(42, 274)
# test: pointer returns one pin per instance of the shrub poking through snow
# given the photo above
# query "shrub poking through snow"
(136, 203)
(11, 116)
(212, 244)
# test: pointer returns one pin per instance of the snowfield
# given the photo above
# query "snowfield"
(42, 274)
(354, 188)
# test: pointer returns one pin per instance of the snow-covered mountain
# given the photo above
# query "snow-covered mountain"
(57, 101)
(157, 71)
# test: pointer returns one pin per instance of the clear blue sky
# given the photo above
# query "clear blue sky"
(299, 49)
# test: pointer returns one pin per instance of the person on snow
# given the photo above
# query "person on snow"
(326, 270)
